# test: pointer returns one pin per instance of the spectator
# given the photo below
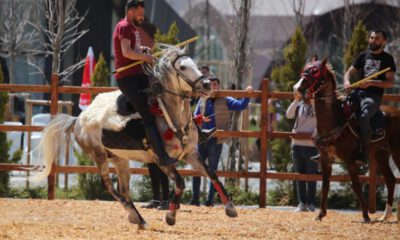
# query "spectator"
(302, 151)
(158, 179)
(205, 70)
(216, 112)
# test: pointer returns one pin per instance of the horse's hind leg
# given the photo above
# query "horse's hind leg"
(200, 165)
(326, 169)
(122, 168)
(382, 159)
(174, 204)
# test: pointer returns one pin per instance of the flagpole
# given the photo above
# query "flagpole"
(157, 54)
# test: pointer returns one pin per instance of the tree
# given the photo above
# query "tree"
(62, 30)
(15, 36)
(100, 77)
(242, 51)
(4, 144)
(171, 37)
(357, 44)
(285, 77)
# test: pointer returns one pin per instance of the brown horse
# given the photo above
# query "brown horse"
(336, 138)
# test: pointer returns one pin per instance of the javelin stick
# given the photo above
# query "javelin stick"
(155, 55)
(366, 79)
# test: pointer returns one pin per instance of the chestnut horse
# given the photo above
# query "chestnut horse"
(337, 139)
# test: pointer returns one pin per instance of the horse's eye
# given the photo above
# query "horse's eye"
(182, 68)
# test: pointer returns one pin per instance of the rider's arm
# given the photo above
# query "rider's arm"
(128, 52)
(388, 83)
(352, 72)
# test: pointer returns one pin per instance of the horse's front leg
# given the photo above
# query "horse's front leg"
(200, 165)
(174, 204)
(326, 169)
(356, 185)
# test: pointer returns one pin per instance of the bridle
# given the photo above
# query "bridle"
(179, 73)
(315, 78)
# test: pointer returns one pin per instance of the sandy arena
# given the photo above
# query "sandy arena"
(69, 219)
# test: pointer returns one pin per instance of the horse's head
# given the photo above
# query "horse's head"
(314, 78)
(184, 75)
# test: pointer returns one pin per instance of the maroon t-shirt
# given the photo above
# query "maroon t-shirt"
(124, 29)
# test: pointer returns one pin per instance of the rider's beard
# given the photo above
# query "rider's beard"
(137, 22)
(374, 46)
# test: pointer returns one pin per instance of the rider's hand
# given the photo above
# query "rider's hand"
(365, 84)
(148, 59)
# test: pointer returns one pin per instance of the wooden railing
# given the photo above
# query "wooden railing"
(264, 135)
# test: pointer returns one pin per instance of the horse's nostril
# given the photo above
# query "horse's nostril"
(207, 85)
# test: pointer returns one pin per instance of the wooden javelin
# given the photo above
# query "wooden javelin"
(157, 54)
(366, 79)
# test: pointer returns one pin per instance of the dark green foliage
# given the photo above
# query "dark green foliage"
(100, 77)
(285, 77)
(357, 44)
(171, 37)
(4, 144)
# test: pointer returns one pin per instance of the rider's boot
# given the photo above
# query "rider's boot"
(205, 134)
(158, 147)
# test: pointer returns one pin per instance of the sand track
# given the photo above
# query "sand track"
(69, 219)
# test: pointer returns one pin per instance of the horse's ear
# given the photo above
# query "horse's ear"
(324, 61)
(185, 49)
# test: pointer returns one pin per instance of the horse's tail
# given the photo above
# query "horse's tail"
(54, 138)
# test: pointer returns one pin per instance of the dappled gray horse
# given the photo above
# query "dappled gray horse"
(108, 132)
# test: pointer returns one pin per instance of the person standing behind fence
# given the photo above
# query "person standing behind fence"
(215, 112)
(158, 179)
(302, 151)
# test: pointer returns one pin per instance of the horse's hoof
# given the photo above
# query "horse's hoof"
(134, 218)
(230, 210)
(320, 216)
(170, 217)
(143, 226)
(366, 220)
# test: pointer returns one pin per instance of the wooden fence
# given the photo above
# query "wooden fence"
(263, 175)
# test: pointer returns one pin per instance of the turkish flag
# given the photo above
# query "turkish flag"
(85, 98)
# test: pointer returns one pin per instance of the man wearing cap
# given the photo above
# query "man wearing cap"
(127, 50)
(216, 112)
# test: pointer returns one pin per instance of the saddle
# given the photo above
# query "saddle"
(377, 122)
(125, 139)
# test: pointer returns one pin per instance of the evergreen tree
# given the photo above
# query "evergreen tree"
(4, 144)
(171, 37)
(100, 77)
(357, 44)
(285, 77)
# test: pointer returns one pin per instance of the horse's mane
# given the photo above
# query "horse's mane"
(331, 74)
(163, 65)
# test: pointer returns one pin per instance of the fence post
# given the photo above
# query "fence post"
(51, 179)
(263, 143)
(372, 186)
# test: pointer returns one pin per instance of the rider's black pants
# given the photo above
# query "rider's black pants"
(131, 86)
(369, 105)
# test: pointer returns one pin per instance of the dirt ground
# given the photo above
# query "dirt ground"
(69, 219)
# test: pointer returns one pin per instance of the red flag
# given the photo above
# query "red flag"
(85, 98)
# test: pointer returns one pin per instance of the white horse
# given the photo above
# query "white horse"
(96, 128)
